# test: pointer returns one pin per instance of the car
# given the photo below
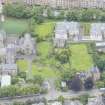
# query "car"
(102, 89)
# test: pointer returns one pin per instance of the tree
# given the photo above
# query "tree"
(14, 10)
(18, 103)
(63, 56)
(68, 75)
(38, 79)
(100, 84)
(61, 15)
(101, 64)
(37, 14)
(90, 14)
(89, 83)
(61, 99)
(84, 98)
(72, 15)
(22, 75)
(50, 13)
(76, 84)
(103, 76)
(28, 102)
(15, 80)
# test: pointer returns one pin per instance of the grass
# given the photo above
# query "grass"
(44, 71)
(14, 26)
(45, 66)
(45, 29)
(42, 66)
(80, 59)
(23, 65)
(44, 48)
(86, 27)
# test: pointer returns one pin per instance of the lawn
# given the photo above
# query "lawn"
(43, 65)
(45, 29)
(86, 27)
(44, 48)
(80, 59)
(44, 71)
(14, 26)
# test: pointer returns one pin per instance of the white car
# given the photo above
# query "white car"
(102, 89)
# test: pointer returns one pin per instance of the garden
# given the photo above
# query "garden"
(80, 59)
(50, 62)
(15, 26)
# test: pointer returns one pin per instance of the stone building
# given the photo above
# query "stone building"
(66, 31)
(2, 38)
(97, 31)
(27, 44)
(100, 46)
(10, 69)
(62, 3)
(95, 73)
(95, 101)
(61, 36)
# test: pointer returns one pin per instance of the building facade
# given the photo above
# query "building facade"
(62, 3)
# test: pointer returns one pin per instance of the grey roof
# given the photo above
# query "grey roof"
(97, 28)
(100, 44)
(95, 69)
(8, 66)
(38, 103)
(63, 28)
(69, 102)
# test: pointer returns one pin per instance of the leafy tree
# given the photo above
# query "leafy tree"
(28, 102)
(101, 64)
(61, 99)
(61, 15)
(89, 83)
(50, 13)
(18, 103)
(90, 14)
(103, 76)
(84, 98)
(38, 79)
(72, 15)
(76, 84)
(22, 75)
(15, 80)
(100, 84)
(68, 75)
(63, 56)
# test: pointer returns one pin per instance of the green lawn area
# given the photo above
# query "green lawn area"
(44, 71)
(86, 27)
(41, 67)
(44, 48)
(45, 29)
(80, 59)
(14, 26)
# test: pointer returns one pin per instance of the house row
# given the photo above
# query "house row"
(97, 31)
(72, 31)
(62, 3)
(66, 31)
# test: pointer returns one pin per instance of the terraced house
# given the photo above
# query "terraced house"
(62, 3)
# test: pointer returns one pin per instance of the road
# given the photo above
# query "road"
(53, 94)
